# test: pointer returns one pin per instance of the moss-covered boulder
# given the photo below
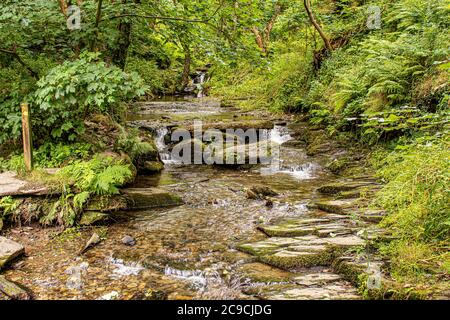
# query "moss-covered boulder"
(306, 251)
(107, 204)
(93, 217)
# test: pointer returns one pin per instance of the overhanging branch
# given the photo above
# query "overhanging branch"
(19, 59)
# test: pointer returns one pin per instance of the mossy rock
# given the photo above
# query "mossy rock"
(307, 251)
(152, 167)
(336, 206)
(92, 217)
(336, 188)
(9, 250)
(107, 204)
(287, 230)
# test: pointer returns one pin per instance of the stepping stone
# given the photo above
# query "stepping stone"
(258, 272)
(336, 206)
(307, 251)
(9, 250)
(12, 185)
(336, 188)
(332, 291)
(317, 279)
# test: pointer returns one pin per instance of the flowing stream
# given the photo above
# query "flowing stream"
(188, 251)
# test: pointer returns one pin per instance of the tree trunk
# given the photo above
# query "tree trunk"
(187, 66)
(316, 25)
(263, 38)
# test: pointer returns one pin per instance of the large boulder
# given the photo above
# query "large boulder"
(9, 250)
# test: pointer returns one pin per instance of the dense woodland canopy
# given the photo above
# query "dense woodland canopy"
(382, 83)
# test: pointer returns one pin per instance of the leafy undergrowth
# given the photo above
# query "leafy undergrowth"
(76, 183)
(417, 199)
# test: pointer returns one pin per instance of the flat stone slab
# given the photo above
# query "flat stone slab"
(317, 279)
(336, 188)
(12, 185)
(299, 227)
(337, 290)
(335, 206)
(306, 251)
(9, 250)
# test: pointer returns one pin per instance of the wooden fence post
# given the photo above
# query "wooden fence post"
(27, 138)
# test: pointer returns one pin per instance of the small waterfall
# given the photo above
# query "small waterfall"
(196, 277)
(279, 134)
(198, 82)
(301, 172)
(160, 142)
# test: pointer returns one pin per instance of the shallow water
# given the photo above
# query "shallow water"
(181, 252)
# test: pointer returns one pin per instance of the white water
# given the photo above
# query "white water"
(161, 144)
(196, 277)
(122, 269)
(279, 135)
(302, 172)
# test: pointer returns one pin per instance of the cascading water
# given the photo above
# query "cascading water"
(199, 81)
(160, 142)
(279, 135)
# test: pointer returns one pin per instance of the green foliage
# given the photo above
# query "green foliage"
(418, 201)
(7, 206)
(49, 155)
(101, 175)
(75, 90)
(131, 144)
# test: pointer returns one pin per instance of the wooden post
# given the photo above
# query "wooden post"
(26, 134)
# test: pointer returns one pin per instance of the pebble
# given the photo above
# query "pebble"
(128, 241)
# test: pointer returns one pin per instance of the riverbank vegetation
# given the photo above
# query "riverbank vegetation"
(373, 71)
(388, 87)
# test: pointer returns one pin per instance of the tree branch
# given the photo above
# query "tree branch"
(307, 4)
(19, 59)
(165, 18)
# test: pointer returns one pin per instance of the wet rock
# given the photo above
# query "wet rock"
(107, 204)
(260, 192)
(249, 154)
(374, 216)
(151, 294)
(316, 279)
(306, 251)
(92, 217)
(337, 188)
(152, 167)
(128, 241)
(139, 199)
(93, 241)
(12, 290)
(332, 291)
(336, 206)
(258, 272)
(9, 250)
(314, 226)
(244, 125)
